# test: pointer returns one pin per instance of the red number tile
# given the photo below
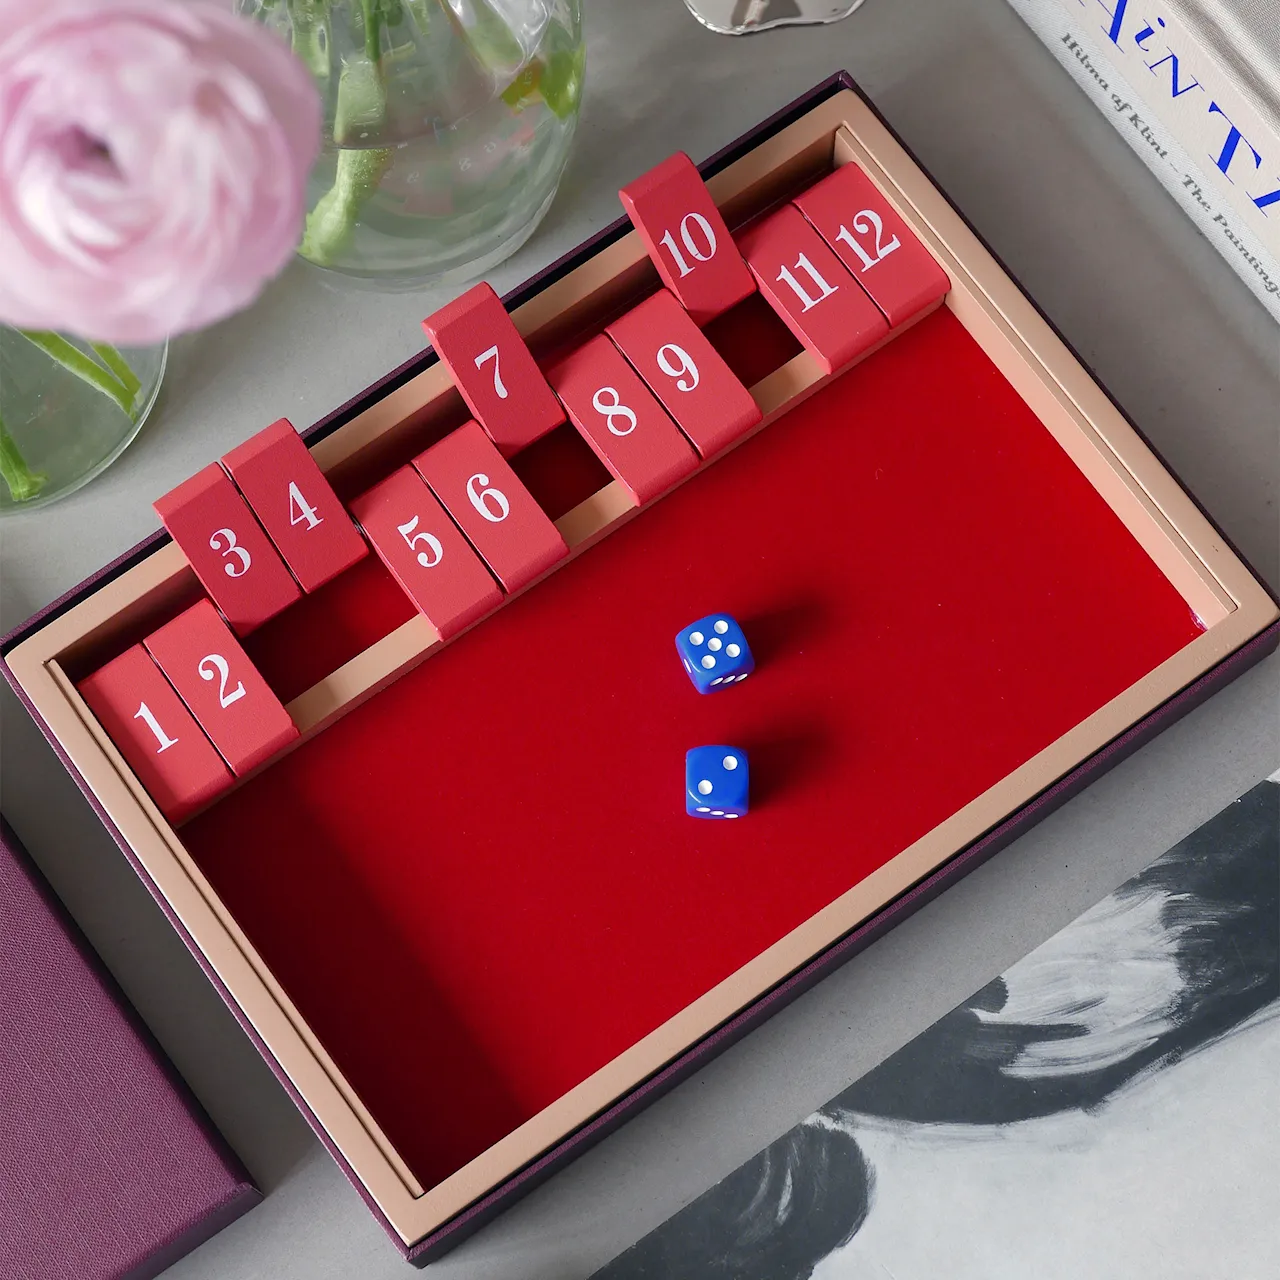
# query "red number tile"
(415, 538)
(622, 420)
(686, 373)
(496, 512)
(493, 369)
(156, 734)
(687, 239)
(230, 554)
(875, 243)
(231, 702)
(810, 289)
(290, 496)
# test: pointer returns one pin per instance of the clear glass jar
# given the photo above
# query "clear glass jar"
(448, 124)
(68, 410)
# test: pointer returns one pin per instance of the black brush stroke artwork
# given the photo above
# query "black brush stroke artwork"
(1211, 903)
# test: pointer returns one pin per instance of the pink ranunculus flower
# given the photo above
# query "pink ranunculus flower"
(153, 164)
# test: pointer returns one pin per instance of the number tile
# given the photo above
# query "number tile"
(426, 554)
(498, 514)
(230, 700)
(622, 420)
(156, 734)
(870, 237)
(687, 374)
(493, 369)
(234, 560)
(809, 287)
(686, 237)
(296, 506)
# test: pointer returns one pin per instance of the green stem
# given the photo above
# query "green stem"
(73, 360)
(120, 367)
(361, 112)
(312, 39)
(24, 484)
(372, 30)
(331, 223)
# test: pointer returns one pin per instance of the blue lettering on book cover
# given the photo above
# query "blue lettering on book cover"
(1127, 30)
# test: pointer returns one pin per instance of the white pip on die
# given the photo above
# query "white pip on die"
(715, 653)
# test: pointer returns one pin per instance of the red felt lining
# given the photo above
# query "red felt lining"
(481, 886)
(315, 636)
(560, 470)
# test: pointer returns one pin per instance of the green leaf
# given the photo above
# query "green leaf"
(561, 83)
(523, 90)
(555, 79)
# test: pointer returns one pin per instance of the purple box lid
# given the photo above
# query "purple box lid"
(109, 1169)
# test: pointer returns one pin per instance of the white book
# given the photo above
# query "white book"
(1194, 87)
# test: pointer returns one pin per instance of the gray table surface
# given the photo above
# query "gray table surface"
(1176, 336)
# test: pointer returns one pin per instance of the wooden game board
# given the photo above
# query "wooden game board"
(464, 915)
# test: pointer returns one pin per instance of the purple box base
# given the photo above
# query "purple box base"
(109, 1169)
(452, 1234)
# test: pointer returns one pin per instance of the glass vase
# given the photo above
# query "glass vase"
(448, 124)
(68, 409)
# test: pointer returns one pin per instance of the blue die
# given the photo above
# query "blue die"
(715, 653)
(716, 782)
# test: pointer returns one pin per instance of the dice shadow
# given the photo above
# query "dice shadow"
(785, 758)
(774, 633)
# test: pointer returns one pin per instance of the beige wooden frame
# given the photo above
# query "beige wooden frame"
(1218, 587)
